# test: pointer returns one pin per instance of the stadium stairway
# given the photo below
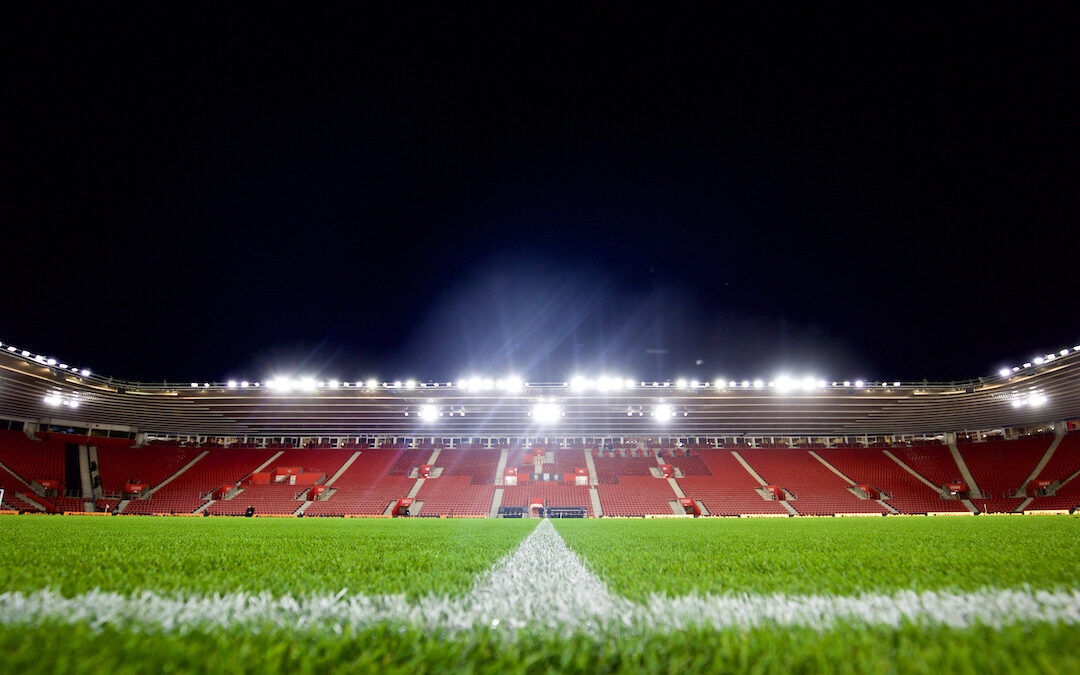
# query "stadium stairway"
(849, 481)
(1059, 435)
(973, 487)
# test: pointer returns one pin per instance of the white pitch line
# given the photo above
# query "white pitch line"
(541, 585)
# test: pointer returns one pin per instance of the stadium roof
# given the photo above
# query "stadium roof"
(37, 389)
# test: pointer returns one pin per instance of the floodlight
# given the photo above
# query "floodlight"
(546, 413)
(680, 383)
(52, 399)
(371, 384)
(63, 366)
(784, 384)
(1037, 400)
(821, 384)
(578, 383)
(244, 384)
(25, 353)
(489, 384)
(663, 412)
(194, 385)
(307, 384)
(231, 384)
(51, 362)
(11, 349)
(628, 383)
(807, 383)
(397, 384)
(1038, 360)
(1016, 403)
(73, 403)
(512, 384)
(1027, 365)
(694, 384)
(428, 412)
(1064, 352)
(1004, 372)
(758, 384)
(896, 384)
(859, 384)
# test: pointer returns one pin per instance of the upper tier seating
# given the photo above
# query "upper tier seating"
(872, 467)
(408, 459)
(819, 491)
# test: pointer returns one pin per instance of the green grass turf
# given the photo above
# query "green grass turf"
(78, 649)
(827, 555)
(280, 555)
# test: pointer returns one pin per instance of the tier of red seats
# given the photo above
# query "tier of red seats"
(819, 491)
(872, 467)
(32, 459)
(688, 466)
(729, 490)
(553, 495)
(933, 462)
(1064, 463)
(409, 459)
(454, 496)
(281, 498)
(185, 494)
(476, 464)
(366, 487)
(120, 465)
(1001, 467)
(609, 470)
(637, 496)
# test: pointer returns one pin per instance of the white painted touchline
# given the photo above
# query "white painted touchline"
(541, 585)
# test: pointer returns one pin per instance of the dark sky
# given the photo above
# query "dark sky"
(445, 190)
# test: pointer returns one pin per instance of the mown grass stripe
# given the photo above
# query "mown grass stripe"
(541, 585)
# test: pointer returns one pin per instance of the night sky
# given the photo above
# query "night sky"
(443, 191)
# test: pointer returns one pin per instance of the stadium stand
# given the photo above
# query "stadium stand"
(1000, 468)
(932, 462)
(1064, 464)
(367, 486)
(282, 498)
(186, 492)
(818, 490)
(553, 495)
(728, 490)
(454, 496)
(119, 465)
(636, 496)
(907, 494)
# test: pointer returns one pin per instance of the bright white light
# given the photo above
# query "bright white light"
(1063, 352)
(53, 400)
(1016, 369)
(758, 384)
(74, 403)
(1004, 372)
(784, 384)
(11, 349)
(1027, 365)
(51, 362)
(231, 384)
(663, 412)
(1037, 400)
(628, 383)
(512, 385)
(39, 358)
(546, 413)
(1016, 403)
(428, 412)
(307, 384)
(1038, 360)
(63, 366)
(694, 384)
(680, 383)
(807, 384)
(820, 384)
(859, 384)
(746, 383)
(244, 384)
(896, 384)
(371, 385)
(25, 353)
(194, 385)
(847, 383)
(410, 384)
(85, 372)
(578, 383)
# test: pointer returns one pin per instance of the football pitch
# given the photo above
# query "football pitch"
(134, 595)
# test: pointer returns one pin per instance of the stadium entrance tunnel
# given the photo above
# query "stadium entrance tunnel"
(401, 508)
(689, 506)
